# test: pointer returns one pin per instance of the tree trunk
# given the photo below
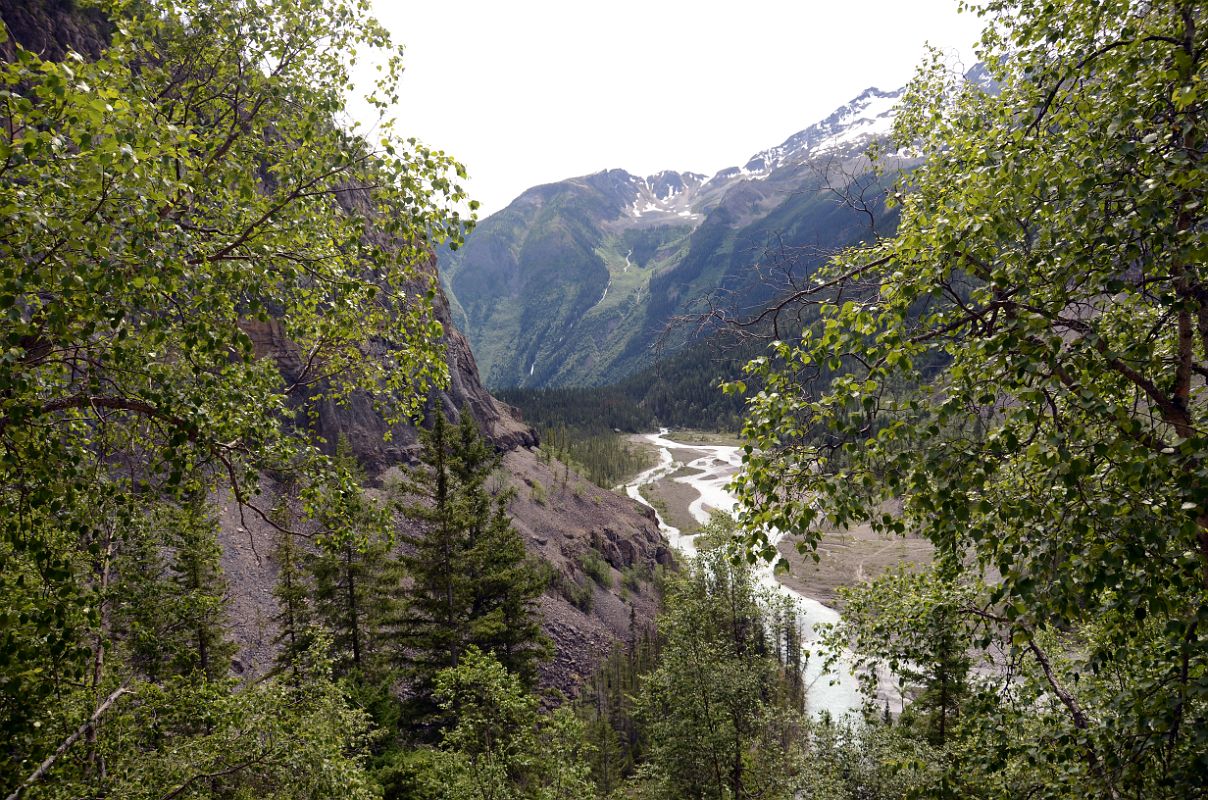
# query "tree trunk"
(353, 613)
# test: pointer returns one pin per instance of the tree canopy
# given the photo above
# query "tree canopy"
(168, 206)
(1050, 257)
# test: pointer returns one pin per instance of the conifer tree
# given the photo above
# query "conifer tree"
(202, 588)
(171, 601)
(292, 592)
(347, 600)
(472, 584)
(356, 587)
(607, 705)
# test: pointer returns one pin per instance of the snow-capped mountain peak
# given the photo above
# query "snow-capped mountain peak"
(845, 132)
(689, 196)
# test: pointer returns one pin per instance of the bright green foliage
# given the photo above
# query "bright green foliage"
(191, 738)
(410, 774)
(917, 626)
(498, 747)
(472, 581)
(915, 631)
(869, 762)
(212, 739)
(718, 716)
(596, 568)
(1050, 258)
(159, 207)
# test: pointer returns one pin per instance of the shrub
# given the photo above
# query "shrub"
(581, 595)
(597, 568)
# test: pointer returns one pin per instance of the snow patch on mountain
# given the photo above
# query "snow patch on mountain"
(665, 193)
(846, 132)
(873, 120)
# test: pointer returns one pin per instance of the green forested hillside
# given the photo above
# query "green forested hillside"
(571, 286)
(682, 391)
(588, 426)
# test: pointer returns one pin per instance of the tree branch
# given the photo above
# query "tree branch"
(46, 765)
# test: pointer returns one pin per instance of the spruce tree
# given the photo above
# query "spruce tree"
(292, 591)
(171, 601)
(472, 583)
(348, 600)
(356, 587)
(504, 582)
(197, 576)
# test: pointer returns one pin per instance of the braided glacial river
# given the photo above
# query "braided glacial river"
(834, 692)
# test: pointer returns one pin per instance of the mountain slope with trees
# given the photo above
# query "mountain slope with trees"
(576, 282)
(206, 285)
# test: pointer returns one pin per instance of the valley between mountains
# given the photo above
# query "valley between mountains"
(874, 467)
(589, 281)
(594, 280)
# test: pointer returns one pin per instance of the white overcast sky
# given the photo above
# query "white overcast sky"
(532, 91)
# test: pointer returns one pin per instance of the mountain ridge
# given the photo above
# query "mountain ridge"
(574, 281)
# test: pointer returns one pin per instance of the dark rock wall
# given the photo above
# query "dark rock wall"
(52, 27)
(365, 429)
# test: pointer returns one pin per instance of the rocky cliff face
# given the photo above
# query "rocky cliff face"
(562, 517)
(366, 431)
(52, 27)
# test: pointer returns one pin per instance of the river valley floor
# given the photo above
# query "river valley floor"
(845, 556)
